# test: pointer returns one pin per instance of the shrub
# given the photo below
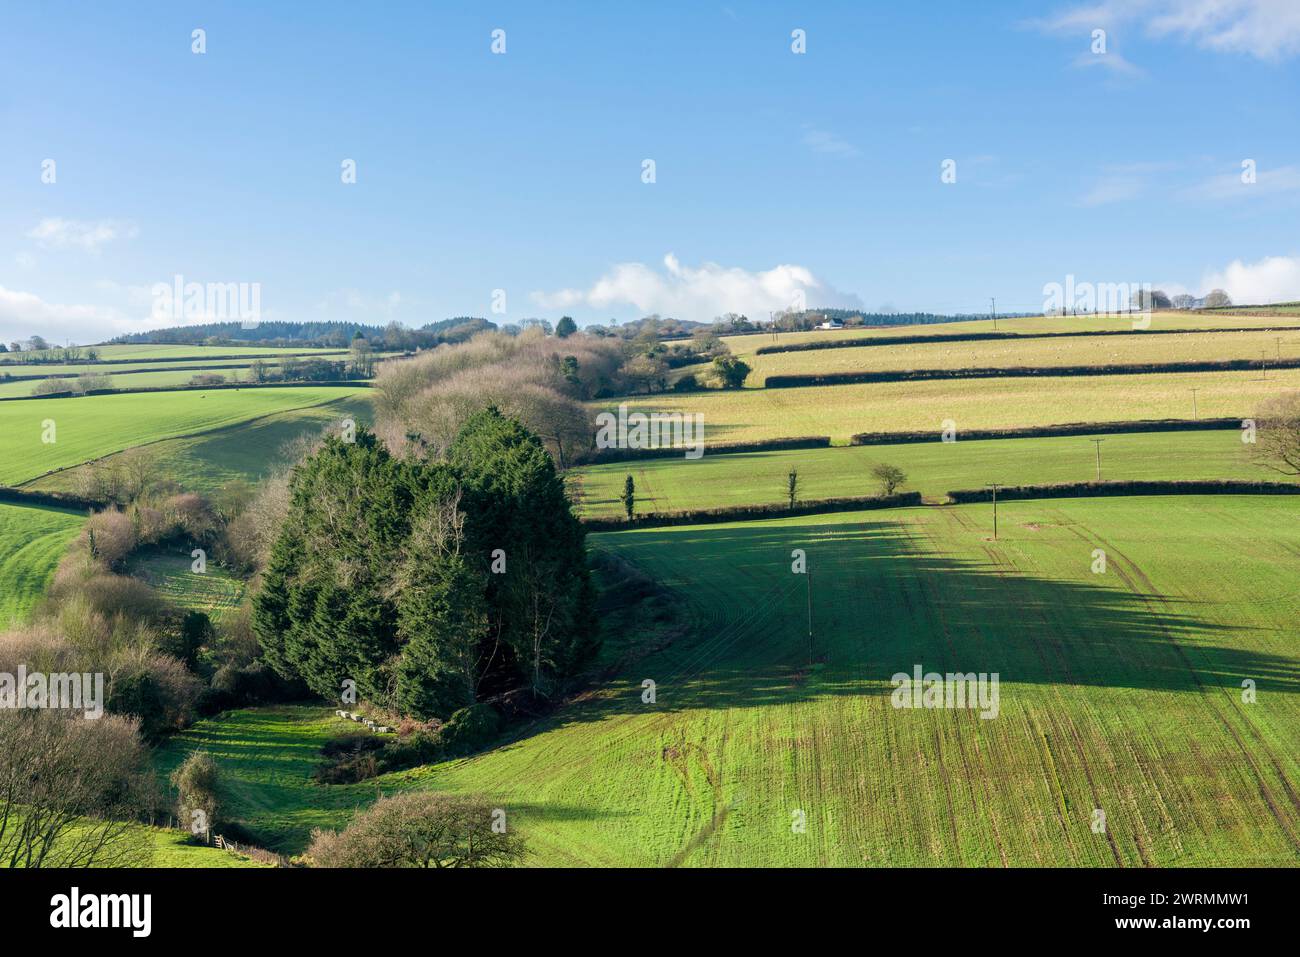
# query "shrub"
(420, 829)
(470, 729)
(196, 788)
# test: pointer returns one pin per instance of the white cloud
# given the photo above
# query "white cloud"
(700, 293)
(1266, 29)
(58, 233)
(1111, 61)
(1120, 182)
(23, 314)
(1272, 279)
(820, 141)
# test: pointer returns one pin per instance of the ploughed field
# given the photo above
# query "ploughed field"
(1119, 691)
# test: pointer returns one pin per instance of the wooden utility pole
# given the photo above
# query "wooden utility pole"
(993, 310)
(808, 575)
(1195, 414)
(994, 486)
(1098, 442)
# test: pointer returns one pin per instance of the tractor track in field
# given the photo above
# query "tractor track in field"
(1003, 568)
(1155, 603)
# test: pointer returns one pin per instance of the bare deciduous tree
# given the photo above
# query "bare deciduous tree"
(72, 790)
(1277, 434)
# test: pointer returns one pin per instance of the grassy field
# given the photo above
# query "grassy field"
(147, 351)
(215, 592)
(265, 758)
(1119, 691)
(32, 540)
(1029, 325)
(840, 411)
(247, 451)
(1037, 353)
(933, 468)
(90, 427)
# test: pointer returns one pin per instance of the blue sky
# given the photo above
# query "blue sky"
(775, 172)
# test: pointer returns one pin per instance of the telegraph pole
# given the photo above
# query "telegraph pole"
(1263, 368)
(993, 309)
(1098, 442)
(994, 486)
(1278, 340)
(1195, 414)
(808, 575)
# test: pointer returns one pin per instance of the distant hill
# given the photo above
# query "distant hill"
(338, 334)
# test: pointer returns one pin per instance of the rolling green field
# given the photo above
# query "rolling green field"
(247, 451)
(1119, 691)
(32, 540)
(1038, 353)
(749, 415)
(91, 427)
(933, 468)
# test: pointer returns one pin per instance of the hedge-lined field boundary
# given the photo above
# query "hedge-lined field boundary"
(919, 339)
(19, 496)
(305, 384)
(1020, 372)
(603, 456)
(1136, 487)
(741, 513)
(149, 359)
(1049, 431)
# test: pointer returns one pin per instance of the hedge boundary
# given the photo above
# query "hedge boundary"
(740, 513)
(1102, 489)
(604, 456)
(305, 384)
(912, 340)
(19, 496)
(149, 359)
(1020, 372)
(1049, 431)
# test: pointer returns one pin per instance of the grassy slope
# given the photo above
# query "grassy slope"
(214, 592)
(840, 411)
(1119, 691)
(745, 345)
(91, 427)
(248, 451)
(933, 468)
(32, 540)
(1042, 353)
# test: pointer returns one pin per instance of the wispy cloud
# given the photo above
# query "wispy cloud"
(1265, 29)
(58, 233)
(1269, 183)
(1121, 182)
(702, 292)
(821, 141)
